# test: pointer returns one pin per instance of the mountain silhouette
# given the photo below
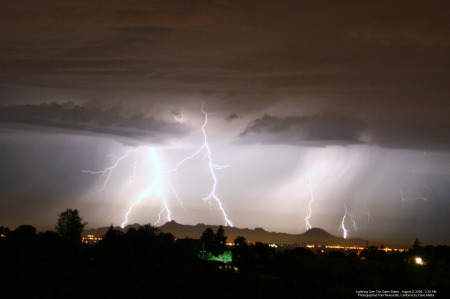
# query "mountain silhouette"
(316, 232)
(313, 236)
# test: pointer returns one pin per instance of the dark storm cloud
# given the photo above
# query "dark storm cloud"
(106, 43)
(210, 46)
(72, 117)
(329, 129)
(383, 62)
(414, 136)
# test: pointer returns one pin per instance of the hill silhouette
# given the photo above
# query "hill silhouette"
(312, 236)
(316, 232)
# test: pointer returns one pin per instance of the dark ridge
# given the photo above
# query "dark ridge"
(311, 236)
(316, 232)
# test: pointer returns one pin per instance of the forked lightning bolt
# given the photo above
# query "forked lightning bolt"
(108, 171)
(160, 184)
(157, 187)
(208, 155)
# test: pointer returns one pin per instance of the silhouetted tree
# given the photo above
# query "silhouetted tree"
(23, 237)
(207, 240)
(25, 232)
(240, 241)
(112, 234)
(142, 239)
(113, 239)
(416, 244)
(214, 242)
(220, 240)
(240, 249)
(208, 235)
(70, 225)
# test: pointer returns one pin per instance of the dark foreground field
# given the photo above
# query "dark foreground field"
(144, 263)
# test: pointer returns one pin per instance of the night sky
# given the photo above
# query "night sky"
(345, 101)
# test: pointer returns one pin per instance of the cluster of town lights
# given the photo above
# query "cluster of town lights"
(386, 249)
(91, 239)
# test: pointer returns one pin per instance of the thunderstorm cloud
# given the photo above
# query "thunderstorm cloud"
(352, 94)
(334, 128)
(76, 118)
(330, 129)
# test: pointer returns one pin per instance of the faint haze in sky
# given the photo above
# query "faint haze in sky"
(354, 94)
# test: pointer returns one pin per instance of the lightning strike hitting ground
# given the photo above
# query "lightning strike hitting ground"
(308, 215)
(345, 231)
(208, 155)
(160, 185)
(352, 219)
(157, 187)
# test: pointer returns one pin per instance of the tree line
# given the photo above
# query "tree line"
(145, 262)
